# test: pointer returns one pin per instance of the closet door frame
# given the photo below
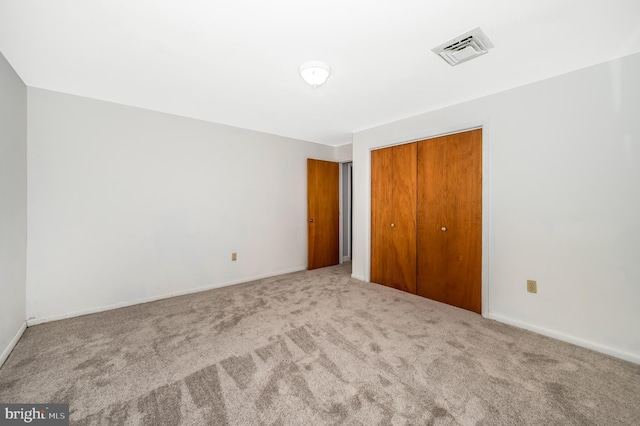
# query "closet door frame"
(486, 202)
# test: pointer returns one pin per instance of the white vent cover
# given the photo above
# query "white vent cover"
(465, 47)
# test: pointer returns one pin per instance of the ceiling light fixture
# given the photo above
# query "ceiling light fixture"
(314, 73)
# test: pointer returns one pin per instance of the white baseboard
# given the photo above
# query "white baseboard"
(36, 321)
(566, 338)
(12, 343)
(357, 277)
(346, 258)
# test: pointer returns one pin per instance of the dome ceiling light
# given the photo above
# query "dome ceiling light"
(314, 73)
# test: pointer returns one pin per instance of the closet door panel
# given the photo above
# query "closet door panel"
(450, 219)
(382, 253)
(404, 216)
(393, 217)
(432, 268)
(464, 242)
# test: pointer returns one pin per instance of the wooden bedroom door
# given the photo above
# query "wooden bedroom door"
(450, 219)
(393, 217)
(323, 210)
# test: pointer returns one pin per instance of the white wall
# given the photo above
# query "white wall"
(344, 153)
(127, 204)
(13, 206)
(563, 160)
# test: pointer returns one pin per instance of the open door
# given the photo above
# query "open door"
(323, 209)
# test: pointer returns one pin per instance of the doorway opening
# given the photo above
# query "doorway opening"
(346, 216)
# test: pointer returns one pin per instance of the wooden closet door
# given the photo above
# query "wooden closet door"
(450, 219)
(382, 254)
(393, 216)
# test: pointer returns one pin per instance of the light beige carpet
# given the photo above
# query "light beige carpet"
(313, 347)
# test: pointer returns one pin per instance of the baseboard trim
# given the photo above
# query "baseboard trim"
(35, 321)
(12, 343)
(566, 338)
(357, 277)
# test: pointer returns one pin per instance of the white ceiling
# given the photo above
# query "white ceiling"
(235, 62)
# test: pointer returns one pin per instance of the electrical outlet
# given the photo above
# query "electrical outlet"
(234, 256)
(532, 286)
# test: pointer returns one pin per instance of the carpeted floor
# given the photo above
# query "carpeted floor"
(314, 347)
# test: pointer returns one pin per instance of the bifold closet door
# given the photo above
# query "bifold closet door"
(450, 219)
(393, 216)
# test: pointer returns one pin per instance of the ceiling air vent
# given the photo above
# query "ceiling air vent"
(465, 47)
